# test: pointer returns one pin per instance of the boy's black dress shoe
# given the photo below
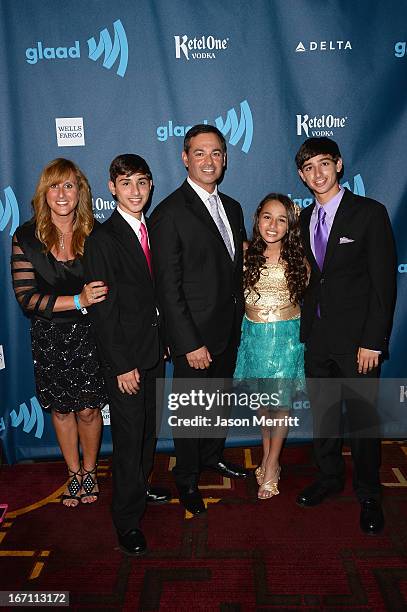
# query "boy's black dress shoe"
(230, 470)
(158, 495)
(371, 516)
(315, 493)
(192, 501)
(132, 543)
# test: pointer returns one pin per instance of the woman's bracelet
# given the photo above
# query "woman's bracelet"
(78, 304)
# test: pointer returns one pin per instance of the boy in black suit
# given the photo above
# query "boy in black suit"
(345, 324)
(127, 333)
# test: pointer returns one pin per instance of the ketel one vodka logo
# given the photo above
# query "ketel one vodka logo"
(204, 47)
(321, 125)
(115, 51)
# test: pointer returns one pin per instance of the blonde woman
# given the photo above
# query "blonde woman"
(48, 284)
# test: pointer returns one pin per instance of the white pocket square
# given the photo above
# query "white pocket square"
(345, 240)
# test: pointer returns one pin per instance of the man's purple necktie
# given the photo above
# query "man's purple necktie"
(320, 237)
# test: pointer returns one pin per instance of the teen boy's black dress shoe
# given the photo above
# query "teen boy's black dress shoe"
(192, 501)
(132, 543)
(315, 493)
(230, 470)
(158, 495)
(371, 516)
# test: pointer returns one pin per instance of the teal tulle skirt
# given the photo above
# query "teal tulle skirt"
(272, 351)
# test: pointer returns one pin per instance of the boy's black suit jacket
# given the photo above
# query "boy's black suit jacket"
(126, 324)
(356, 288)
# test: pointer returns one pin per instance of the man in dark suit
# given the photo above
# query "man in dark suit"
(345, 324)
(196, 237)
(126, 327)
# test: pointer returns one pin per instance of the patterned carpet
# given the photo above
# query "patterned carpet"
(245, 555)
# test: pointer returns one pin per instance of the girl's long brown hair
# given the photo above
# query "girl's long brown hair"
(292, 252)
(58, 171)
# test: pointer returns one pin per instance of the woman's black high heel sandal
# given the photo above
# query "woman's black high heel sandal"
(89, 482)
(74, 486)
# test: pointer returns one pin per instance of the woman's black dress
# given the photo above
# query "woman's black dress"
(66, 366)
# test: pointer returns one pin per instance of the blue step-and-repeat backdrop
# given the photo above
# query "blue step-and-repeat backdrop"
(90, 80)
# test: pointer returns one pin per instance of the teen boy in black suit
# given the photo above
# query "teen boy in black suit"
(345, 323)
(127, 331)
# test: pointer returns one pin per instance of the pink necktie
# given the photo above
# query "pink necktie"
(144, 245)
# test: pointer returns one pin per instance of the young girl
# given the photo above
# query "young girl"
(275, 278)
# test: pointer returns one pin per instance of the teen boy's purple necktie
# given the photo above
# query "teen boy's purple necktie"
(320, 237)
(320, 242)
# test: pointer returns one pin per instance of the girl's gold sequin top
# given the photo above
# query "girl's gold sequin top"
(274, 301)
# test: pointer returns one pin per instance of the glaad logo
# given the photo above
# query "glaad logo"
(323, 45)
(400, 49)
(322, 125)
(358, 189)
(30, 420)
(200, 48)
(118, 49)
(301, 405)
(10, 211)
(239, 129)
(358, 185)
(111, 51)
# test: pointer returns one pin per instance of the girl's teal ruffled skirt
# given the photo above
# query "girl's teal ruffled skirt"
(272, 351)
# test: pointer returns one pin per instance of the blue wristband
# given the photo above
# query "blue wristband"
(77, 302)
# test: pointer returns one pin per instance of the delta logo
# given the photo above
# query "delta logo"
(323, 45)
(237, 130)
(115, 51)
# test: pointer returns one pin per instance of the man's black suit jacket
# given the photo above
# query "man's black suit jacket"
(356, 287)
(126, 324)
(200, 288)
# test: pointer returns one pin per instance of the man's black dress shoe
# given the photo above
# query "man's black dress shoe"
(192, 501)
(158, 495)
(132, 543)
(229, 469)
(315, 493)
(371, 516)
